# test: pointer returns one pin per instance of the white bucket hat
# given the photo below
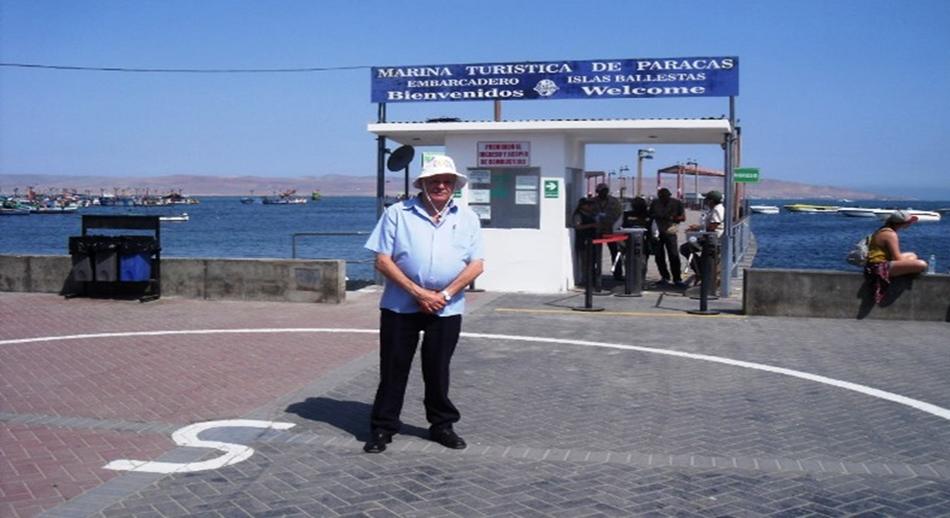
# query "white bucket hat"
(441, 164)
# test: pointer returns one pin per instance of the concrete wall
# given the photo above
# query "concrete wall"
(833, 294)
(282, 280)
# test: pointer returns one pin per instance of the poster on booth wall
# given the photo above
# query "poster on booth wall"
(479, 196)
(479, 176)
(504, 154)
(483, 211)
(526, 197)
(526, 182)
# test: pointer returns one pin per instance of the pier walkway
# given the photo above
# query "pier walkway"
(640, 410)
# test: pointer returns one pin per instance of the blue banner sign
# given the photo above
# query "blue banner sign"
(595, 79)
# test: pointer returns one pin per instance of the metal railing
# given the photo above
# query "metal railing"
(741, 236)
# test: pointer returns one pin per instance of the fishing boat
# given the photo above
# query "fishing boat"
(285, 198)
(180, 217)
(315, 196)
(177, 198)
(922, 215)
(764, 209)
(14, 211)
(68, 209)
(11, 207)
(811, 209)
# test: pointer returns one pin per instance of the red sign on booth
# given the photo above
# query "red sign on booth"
(504, 154)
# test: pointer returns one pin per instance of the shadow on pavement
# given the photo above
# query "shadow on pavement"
(350, 416)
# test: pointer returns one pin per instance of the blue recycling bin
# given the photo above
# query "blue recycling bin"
(135, 267)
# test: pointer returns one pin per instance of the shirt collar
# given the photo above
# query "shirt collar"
(418, 205)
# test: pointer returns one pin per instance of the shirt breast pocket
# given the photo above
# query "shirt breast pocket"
(461, 251)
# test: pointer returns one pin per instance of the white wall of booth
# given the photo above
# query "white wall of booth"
(527, 259)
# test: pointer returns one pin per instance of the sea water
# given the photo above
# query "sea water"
(224, 227)
(822, 240)
(221, 227)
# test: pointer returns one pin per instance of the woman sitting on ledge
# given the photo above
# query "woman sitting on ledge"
(885, 259)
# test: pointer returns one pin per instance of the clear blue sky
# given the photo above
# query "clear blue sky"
(847, 93)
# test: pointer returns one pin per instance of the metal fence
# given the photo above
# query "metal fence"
(741, 236)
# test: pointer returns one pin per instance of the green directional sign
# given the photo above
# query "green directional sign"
(746, 175)
(551, 188)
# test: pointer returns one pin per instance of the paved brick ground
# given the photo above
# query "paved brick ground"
(42, 466)
(555, 429)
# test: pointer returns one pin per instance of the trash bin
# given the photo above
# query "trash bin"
(135, 258)
(104, 256)
(109, 265)
(81, 254)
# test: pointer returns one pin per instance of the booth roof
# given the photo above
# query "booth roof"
(691, 170)
(588, 131)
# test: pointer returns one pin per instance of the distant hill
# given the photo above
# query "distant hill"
(783, 189)
(342, 185)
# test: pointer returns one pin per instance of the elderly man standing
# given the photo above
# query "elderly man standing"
(429, 250)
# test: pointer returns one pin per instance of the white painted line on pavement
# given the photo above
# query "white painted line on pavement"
(188, 436)
(847, 385)
(188, 332)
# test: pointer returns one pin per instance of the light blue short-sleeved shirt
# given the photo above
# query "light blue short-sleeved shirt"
(431, 255)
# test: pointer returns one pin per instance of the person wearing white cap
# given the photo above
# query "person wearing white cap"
(428, 249)
(711, 220)
(885, 259)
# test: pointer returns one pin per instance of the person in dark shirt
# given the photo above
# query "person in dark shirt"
(584, 221)
(608, 212)
(667, 212)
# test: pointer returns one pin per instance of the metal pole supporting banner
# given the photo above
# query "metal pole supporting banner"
(380, 163)
(730, 200)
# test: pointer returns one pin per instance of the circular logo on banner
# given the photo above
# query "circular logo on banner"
(545, 88)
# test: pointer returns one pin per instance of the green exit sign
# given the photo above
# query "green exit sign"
(746, 175)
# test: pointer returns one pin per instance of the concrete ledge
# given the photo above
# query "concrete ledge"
(834, 294)
(282, 280)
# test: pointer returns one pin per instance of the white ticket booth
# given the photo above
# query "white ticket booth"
(525, 178)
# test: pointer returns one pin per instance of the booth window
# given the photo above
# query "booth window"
(506, 198)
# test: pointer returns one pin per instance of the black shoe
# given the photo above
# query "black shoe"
(446, 437)
(377, 442)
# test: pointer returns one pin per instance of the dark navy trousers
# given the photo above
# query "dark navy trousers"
(398, 339)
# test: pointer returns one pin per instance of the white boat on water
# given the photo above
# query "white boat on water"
(181, 217)
(808, 208)
(764, 209)
(862, 212)
(68, 209)
(922, 215)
